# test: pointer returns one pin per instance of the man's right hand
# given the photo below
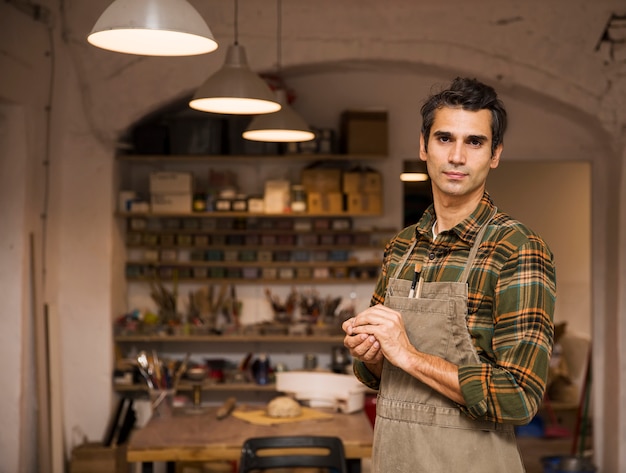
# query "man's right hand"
(363, 347)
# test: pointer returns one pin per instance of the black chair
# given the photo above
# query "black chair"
(311, 451)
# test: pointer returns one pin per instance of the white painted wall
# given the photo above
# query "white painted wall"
(556, 83)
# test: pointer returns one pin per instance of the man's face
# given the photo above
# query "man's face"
(459, 152)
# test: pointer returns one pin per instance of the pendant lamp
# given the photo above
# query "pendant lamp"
(285, 125)
(152, 28)
(235, 88)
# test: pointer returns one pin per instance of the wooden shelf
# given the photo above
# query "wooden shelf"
(207, 386)
(259, 264)
(229, 338)
(229, 214)
(275, 282)
(172, 158)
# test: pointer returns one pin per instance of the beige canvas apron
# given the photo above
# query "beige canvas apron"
(417, 429)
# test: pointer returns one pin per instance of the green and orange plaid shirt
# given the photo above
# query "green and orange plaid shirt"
(512, 293)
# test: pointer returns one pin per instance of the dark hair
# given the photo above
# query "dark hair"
(469, 94)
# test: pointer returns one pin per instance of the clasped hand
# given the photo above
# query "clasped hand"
(375, 333)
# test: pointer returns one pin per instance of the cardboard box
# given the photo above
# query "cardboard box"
(162, 182)
(365, 181)
(170, 203)
(325, 202)
(364, 132)
(321, 180)
(277, 197)
(364, 203)
(93, 457)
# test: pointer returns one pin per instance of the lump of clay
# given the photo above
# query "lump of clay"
(283, 406)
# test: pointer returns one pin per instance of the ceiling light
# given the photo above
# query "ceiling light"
(152, 28)
(413, 177)
(283, 126)
(235, 88)
(414, 170)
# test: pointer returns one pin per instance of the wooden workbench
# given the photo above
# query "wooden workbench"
(201, 437)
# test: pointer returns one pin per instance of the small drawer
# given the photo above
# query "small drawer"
(268, 240)
(304, 273)
(200, 273)
(300, 255)
(184, 240)
(248, 255)
(197, 255)
(309, 240)
(328, 240)
(252, 240)
(321, 273)
(214, 255)
(250, 273)
(201, 240)
(231, 255)
(282, 255)
(270, 273)
(265, 256)
(167, 239)
(168, 255)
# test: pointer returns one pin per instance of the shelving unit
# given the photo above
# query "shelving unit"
(235, 247)
(241, 248)
(232, 344)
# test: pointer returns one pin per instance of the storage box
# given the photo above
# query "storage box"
(321, 180)
(364, 132)
(256, 205)
(369, 203)
(162, 182)
(325, 202)
(92, 457)
(170, 203)
(366, 181)
(277, 197)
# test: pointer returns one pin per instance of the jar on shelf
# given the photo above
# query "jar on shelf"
(298, 198)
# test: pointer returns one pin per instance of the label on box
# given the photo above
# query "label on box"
(365, 203)
(170, 203)
(162, 182)
(329, 202)
(362, 182)
(321, 180)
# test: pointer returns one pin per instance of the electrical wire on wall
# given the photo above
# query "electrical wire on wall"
(50, 453)
(42, 14)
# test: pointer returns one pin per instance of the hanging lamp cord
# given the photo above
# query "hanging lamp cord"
(279, 36)
(236, 22)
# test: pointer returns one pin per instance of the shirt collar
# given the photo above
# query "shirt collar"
(465, 230)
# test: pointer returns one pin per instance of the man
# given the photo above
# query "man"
(459, 334)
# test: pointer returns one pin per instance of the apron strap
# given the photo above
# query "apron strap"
(474, 250)
(407, 253)
(470, 258)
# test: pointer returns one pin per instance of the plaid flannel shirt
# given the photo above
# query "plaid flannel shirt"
(512, 293)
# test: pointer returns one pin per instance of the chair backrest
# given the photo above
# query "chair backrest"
(306, 451)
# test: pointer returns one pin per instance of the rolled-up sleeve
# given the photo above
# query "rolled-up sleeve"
(509, 383)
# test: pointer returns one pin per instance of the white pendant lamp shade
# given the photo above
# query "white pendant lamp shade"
(152, 28)
(235, 89)
(283, 126)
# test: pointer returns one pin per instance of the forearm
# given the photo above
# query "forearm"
(436, 373)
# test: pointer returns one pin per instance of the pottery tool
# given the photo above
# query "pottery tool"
(416, 278)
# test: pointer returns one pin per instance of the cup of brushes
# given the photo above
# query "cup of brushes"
(162, 380)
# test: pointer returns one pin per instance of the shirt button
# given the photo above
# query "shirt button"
(431, 256)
